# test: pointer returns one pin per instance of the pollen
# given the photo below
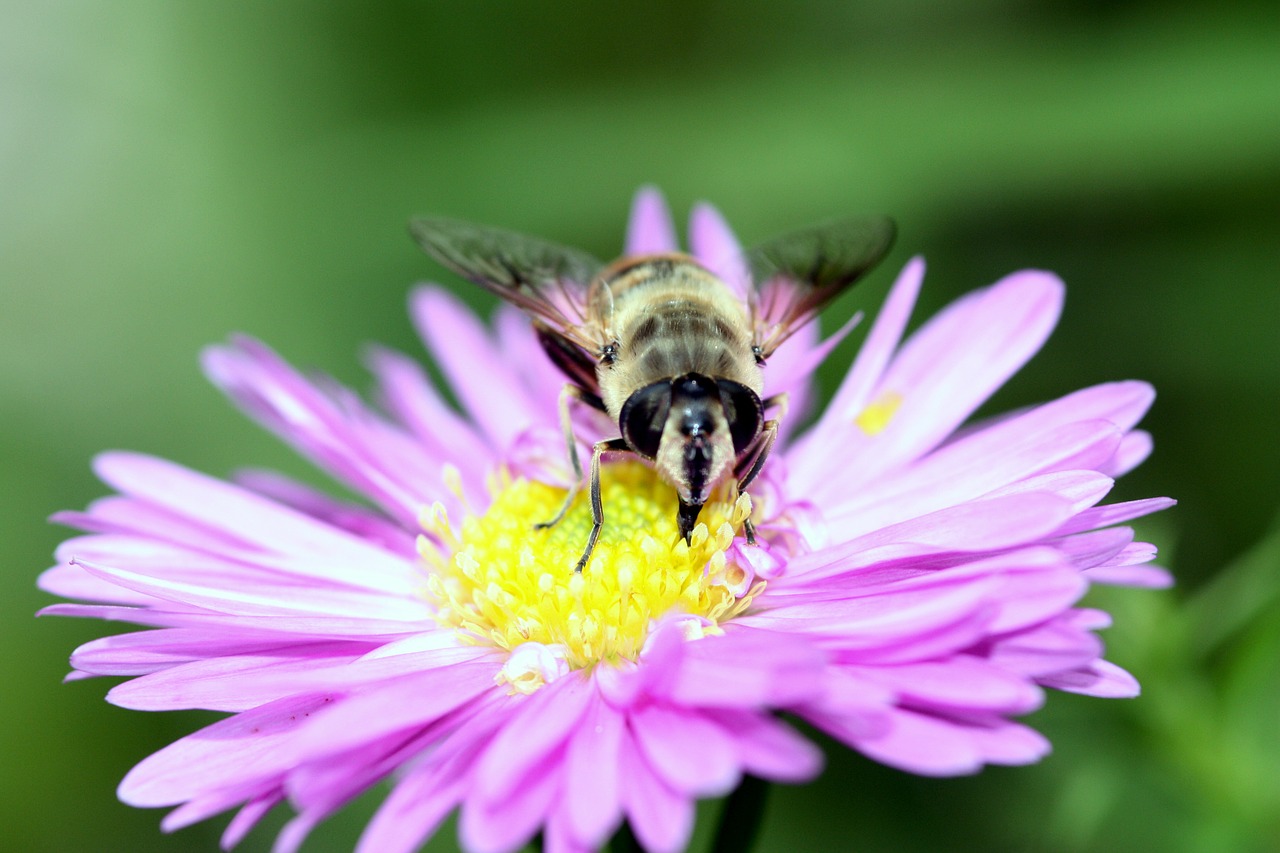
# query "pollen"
(876, 416)
(497, 580)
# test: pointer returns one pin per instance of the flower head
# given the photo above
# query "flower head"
(914, 585)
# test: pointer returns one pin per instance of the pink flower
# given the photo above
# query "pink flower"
(914, 588)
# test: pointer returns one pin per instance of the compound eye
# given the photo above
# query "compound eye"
(643, 417)
(743, 411)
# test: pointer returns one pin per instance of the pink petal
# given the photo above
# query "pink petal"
(982, 464)
(981, 525)
(414, 809)
(1100, 678)
(255, 745)
(884, 619)
(691, 754)
(960, 683)
(259, 597)
(499, 826)
(592, 801)
(1132, 452)
(1086, 550)
(649, 230)
(923, 744)
(142, 652)
(953, 364)
(253, 520)
(1149, 577)
(400, 703)
(245, 681)
(246, 819)
(746, 668)
(1046, 650)
(365, 524)
(1004, 742)
(712, 242)
(177, 616)
(810, 455)
(539, 724)
(258, 797)
(770, 749)
(330, 425)
(72, 581)
(791, 370)
(464, 349)
(1105, 516)
(410, 396)
(661, 819)
(429, 790)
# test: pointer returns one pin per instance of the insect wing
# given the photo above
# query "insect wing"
(795, 275)
(546, 280)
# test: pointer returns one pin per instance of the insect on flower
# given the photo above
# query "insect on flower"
(668, 350)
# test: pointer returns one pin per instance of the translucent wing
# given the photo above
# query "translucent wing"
(545, 280)
(794, 276)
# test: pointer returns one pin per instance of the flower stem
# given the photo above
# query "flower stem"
(741, 818)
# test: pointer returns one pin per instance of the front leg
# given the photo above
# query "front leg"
(569, 394)
(782, 402)
(597, 505)
(748, 467)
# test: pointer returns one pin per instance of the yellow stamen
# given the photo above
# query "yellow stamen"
(876, 416)
(499, 581)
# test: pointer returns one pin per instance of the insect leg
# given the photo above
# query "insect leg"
(568, 394)
(752, 461)
(597, 505)
(779, 401)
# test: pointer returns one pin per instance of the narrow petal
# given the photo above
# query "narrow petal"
(661, 818)
(252, 519)
(414, 809)
(328, 424)
(770, 749)
(810, 455)
(257, 744)
(982, 525)
(488, 826)
(429, 790)
(960, 683)
(398, 704)
(1100, 678)
(257, 596)
(592, 798)
(712, 242)
(365, 524)
(1132, 452)
(980, 465)
(746, 668)
(953, 364)
(649, 230)
(538, 726)
(1104, 516)
(1047, 650)
(464, 349)
(691, 754)
(923, 744)
(246, 819)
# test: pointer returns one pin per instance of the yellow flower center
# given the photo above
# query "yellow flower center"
(499, 581)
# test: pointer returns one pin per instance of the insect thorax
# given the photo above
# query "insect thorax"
(673, 317)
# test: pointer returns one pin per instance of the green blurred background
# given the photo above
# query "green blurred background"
(173, 172)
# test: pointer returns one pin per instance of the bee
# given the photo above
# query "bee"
(669, 351)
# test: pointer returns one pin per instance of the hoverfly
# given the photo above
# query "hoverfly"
(662, 345)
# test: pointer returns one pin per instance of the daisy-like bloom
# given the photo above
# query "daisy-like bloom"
(915, 585)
